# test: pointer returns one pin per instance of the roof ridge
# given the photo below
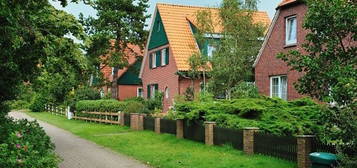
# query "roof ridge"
(202, 7)
(190, 6)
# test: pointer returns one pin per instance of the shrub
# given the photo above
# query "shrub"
(27, 145)
(109, 105)
(38, 103)
(18, 104)
(245, 90)
(82, 93)
(136, 107)
(274, 116)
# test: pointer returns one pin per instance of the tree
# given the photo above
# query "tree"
(237, 47)
(117, 24)
(29, 32)
(329, 67)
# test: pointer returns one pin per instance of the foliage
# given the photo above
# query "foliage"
(237, 48)
(100, 105)
(136, 107)
(27, 145)
(117, 24)
(159, 150)
(245, 90)
(329, 66)
(189, 94)
(82, 93)
(270, 115)
(18, 104)
(155, 104)
(31, 32)
(38, 103)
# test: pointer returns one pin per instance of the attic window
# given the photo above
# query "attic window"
(291, 31)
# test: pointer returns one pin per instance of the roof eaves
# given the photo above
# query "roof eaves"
(267, 37)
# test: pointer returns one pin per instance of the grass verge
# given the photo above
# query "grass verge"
(162, 150)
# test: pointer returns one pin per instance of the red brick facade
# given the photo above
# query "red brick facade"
(127, 91)
(267, 65)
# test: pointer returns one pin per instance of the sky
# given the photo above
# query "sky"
(75, 9)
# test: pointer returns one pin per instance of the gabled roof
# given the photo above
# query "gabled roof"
(176, 20)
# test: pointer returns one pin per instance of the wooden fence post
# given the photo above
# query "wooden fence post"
(304, 148)
(248, 139)
(209, 134)
(179, 128)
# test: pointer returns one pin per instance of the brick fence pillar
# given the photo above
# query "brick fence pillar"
(248, 139)
(209, 126)
(134, 121)
(121, 118)
(157, 125)
(179, 128)
(141, 122)
(304, 148)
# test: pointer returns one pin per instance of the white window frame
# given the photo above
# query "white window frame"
(138, 94)
(112, 71)
(288, 29)
(153, 60)
(210, 50)
(152, 87)
(167, 93)
(280, 88)
(163, 57)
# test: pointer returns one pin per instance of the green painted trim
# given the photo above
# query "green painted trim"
(158, 35)
(131, 76)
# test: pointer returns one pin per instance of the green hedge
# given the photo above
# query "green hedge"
(274, 116)
(100, 105)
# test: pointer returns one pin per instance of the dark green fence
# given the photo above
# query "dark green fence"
(284, 147)
(168, 126)
(127, 119)
(318, 146)
(234, 137)
(149, 123)
(194, 130)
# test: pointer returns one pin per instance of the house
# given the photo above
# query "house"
(274, 77)
(170, 44)
(124, 83)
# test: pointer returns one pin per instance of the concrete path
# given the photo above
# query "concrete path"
(80, 153)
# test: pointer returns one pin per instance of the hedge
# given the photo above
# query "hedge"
(100, 105)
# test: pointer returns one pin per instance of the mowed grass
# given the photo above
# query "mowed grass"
(164, 150)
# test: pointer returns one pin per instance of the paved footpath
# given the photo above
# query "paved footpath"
(79, 153)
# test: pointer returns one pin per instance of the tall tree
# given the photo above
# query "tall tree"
(117, 24)
(330, 67)
(29, 34)
(238, 46)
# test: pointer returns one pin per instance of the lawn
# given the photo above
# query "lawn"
(162, 150)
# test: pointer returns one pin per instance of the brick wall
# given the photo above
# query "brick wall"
(127, 91)
(268, 64)
(163, 76)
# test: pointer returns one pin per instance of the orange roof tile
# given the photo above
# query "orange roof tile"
(175, 19)
(286, 2)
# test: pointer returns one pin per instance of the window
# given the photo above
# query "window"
(163, 57)
(140, 92)
(166, 92)
(112, 71)
(153, 60)
(278, 87)
(291, 30)
(210, 50)
(153, 90)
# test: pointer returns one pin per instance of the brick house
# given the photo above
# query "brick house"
(124, 83)
(273, 76)
(170, 44)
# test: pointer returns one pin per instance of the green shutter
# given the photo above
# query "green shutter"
(167, 56)
(158, 58)
(150, 61)
(156, 87)
(148, 91)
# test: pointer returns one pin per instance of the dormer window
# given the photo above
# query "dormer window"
(291, 30)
